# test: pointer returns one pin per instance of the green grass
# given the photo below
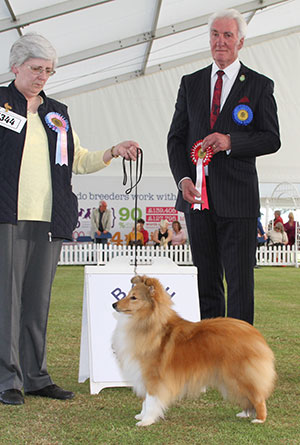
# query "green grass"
(108, 418)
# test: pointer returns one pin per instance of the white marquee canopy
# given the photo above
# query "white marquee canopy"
(120, 64)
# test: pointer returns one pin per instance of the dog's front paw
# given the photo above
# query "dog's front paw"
(138, 416)
(145, 422)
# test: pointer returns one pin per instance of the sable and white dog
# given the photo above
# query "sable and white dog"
(166, 357)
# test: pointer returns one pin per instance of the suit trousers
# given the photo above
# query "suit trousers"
(223, 245)
(28, 263)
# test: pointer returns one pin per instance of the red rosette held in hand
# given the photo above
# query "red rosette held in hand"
(201, 159)
(197, 153)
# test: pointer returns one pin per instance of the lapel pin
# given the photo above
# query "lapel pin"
(7, 107)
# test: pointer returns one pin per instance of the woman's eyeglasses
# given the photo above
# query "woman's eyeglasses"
(39, 70)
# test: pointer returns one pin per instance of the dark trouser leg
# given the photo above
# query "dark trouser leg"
(237, 241)
(33, 261)
(207, 258)
(36, 300)
(10, 309)
(223, 243)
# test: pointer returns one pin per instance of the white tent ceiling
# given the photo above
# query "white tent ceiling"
(107, 41)
(151, 44)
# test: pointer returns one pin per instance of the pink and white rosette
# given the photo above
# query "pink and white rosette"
(60, 125)
(201, 159)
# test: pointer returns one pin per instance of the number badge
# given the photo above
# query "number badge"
(10, 120)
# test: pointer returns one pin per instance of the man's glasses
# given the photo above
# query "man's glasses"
(39, 70)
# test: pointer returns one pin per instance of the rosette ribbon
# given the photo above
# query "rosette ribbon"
(242, 114)
(60, 125)
(201, 159)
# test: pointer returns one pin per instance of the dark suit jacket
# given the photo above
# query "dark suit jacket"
(232, 178)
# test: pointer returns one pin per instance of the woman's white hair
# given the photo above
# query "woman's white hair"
(31, 46)
(230, 14)
(164, 223)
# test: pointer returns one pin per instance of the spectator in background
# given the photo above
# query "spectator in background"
(163, 236)
(290, 228)
(144, 232)
(261, 234)
(277, 218)
(277, 236)
(261, 238)
(100, 223)
(135, 237)
(179, 236)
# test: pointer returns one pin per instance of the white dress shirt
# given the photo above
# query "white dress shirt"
(228, 78)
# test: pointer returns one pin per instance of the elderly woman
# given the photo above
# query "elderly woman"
(277, 236)
(163, 236)
(38, 210)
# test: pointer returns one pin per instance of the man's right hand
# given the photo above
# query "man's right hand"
(189, 192)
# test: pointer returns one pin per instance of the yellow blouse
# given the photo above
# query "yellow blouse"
(35, 189)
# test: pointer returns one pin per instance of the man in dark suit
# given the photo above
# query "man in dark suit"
(223, 233)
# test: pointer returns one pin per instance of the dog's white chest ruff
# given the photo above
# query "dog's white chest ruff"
(122, 346)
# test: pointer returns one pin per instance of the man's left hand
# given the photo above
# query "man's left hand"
(217, 141)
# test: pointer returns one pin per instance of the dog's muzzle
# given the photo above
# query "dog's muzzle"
(115, 306)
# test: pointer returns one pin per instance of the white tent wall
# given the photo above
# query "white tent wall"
(142, 109)
(279, 59)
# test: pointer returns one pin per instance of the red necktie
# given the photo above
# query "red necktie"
(215, 106)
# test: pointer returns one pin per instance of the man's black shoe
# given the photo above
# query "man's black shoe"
(12, 397)
(53, 392)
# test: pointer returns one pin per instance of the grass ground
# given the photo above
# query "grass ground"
(108, 418)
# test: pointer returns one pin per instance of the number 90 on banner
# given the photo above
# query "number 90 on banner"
(126, 213)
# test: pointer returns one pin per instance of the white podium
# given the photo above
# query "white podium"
(103, 285)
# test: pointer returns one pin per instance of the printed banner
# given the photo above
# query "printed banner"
(155, 201)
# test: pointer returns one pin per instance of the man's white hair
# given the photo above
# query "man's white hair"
(230, 14)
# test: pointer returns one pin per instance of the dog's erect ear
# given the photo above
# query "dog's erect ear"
(151, 281)
(152, 284)
(136, 279)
